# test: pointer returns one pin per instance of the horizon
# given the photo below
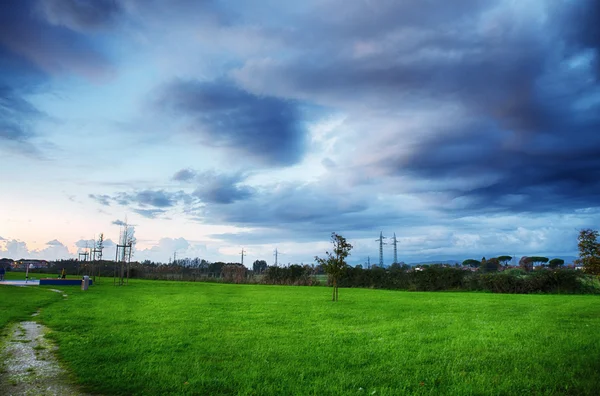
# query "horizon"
(468, 129)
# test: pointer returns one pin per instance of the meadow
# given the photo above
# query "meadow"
(156, 337)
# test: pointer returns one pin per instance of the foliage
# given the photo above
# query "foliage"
(526, 264)
(491, 265)
(471, 263)
(544, 281)
(160, 338)
(335, 263)
(234, 273)
(556, 262)
(295, 274)
(259, 266)
(589, 251)
(537, 260)
(504, 260)
(440, 277)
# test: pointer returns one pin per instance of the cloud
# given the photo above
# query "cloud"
(221, 188)
(51, 49)
(16, 250)
(158, 199)
(31, 51)
(80, 15)
(268, 129)
(101, 199)
(149, 213)
(108, 243)
(515, 114)
(119, 222)
(85, 243)
(165, 248)
(184, 175)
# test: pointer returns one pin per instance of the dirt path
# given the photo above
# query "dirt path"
(29, 366)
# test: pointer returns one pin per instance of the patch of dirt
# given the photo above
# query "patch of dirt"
(29, 366)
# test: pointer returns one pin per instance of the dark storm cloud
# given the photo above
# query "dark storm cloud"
(264, 127)
(526, 89)
(308, 211)
(31, 50)
(214, 188)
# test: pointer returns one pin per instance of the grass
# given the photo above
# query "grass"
(158, 338)
(18, 303)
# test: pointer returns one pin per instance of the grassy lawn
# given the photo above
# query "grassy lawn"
(18, 303)
(200, 338)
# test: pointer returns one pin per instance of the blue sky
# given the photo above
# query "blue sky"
(469, 128)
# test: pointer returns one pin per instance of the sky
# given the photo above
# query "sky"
(468, 128)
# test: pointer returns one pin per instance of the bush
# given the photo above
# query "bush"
(439, 277)
(540, 281)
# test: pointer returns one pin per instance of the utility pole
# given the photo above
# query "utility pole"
(381, 243)
(395, 249)
(243, 254)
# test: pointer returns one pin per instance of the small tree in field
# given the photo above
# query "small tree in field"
(589, 251)
(335, 263)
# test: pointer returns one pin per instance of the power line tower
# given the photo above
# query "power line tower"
(97, 255)
(85, 255)
(381, 243)
(123, 254)
(395, 249)
(275, 254)
(368, 262)
(243, 254)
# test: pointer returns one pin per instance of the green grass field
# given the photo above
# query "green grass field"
(200, 338)
(18, 303)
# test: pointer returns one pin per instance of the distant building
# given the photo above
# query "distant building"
(31, 263)
(6, 263)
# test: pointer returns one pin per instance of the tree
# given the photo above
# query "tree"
(491, 265)
(539, 260)
(471, 263)
(589, 251)
(335, 263)
(556, 262)
(259, 266)
(525, 263)
(504, 260)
